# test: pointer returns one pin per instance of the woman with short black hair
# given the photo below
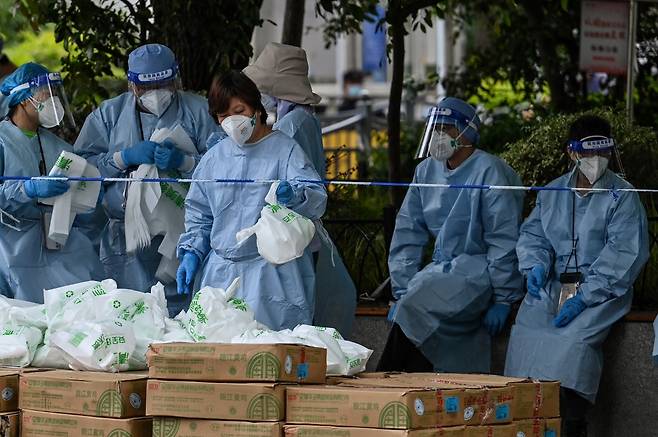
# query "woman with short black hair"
(281, 296)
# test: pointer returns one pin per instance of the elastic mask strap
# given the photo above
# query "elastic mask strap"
(471, 125)
(9, 220)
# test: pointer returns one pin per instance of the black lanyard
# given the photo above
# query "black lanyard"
(42, 162)
(574, 239)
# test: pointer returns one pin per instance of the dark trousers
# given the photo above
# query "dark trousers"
(401, 355)
(573, 409)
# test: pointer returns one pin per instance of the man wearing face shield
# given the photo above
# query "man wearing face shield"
(30, 262)
(115, 138)
(580, 252)
(445, 313)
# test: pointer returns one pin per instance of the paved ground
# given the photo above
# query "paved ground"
(628, 399)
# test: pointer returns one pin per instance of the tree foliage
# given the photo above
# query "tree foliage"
(401, 16)
(208, 36)
(535, 46)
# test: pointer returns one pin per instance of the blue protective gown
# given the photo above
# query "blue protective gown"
(4, 104)
(26, 266)
(335, 292)
(115, 126)
(304, 127)
(612, 248)
(473, 264)
(280, 296)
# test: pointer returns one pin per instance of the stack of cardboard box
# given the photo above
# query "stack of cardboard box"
(9, 415)
(197, 389)
(83, 404)
(423, 405)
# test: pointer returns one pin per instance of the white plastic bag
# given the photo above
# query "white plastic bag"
(158, 209)
(96, 346)
(282, 235)
(81, 196)
(22, 313)
(18, 344)
(76, 302)
(215, 316)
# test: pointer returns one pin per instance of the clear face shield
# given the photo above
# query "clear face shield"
(437, 140)
(49, 100)
(593, 153)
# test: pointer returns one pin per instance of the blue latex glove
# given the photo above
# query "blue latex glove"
(141, 153)
(571, 308)
(392, 312)
(45, 188)
(496, 317)
(186, 272)
(168, 157)
(536, 280)
(284, 193)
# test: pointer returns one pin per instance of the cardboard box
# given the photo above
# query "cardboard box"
(8, 391)
(508, 430)
(116, 395)
(214, 400)
(475, 404)
(488, 406)
(335, 431)
(531, 398)
(173, 427)
(366, 407)
(538, 427)
(536, 399)
(10, 424)
(237, 362)
(39, 424)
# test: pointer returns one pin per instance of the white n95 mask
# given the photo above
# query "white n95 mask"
(593, 167)
(51, 112)
(156, 101)
(442, 146)
(239, 127)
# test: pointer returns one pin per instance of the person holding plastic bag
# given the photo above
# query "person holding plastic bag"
(30, 262)
(281, 74)
(581, 253)
(442, 309)
(281, 296)
(116, 138)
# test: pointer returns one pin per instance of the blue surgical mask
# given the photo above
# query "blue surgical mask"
(354, 90)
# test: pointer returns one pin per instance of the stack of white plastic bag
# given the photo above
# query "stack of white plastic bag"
(81, 197)
(99, 327)
(96, 326)
(154, 209)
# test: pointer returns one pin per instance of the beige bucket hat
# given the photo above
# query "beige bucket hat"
(282, 71)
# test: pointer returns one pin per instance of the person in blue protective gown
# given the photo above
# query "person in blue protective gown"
(593, 244)
(115, 138)
(445, 313)
(30, 262)
(281, 74)
(281, 296)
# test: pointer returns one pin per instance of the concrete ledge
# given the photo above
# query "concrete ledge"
(628, 397)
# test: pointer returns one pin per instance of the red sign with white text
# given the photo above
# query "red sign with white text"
(603, 37)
